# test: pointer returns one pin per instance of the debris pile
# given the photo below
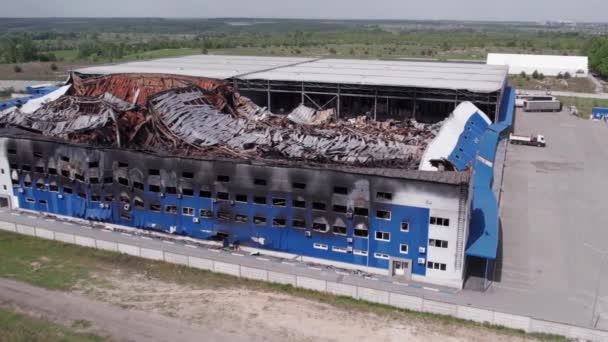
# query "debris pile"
(202, 117)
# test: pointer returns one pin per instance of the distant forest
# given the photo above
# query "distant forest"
(107, 40)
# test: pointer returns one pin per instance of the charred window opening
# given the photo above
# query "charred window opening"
(188, 211)
(52, 171)
(187, 174)
(137, 203)
(339, 230)
(359, 211)
(383, 214)
(240, 218)
(95, 198)
(125, 216)
(298, 204)
(170, 209)
(123, 181)
(224, 196)
(259, 181)
(363, 233)
(319, 227)
(405, 226)
(13, 166)
(138, 185)
(37, 154)
(299, 223)
(206, 213)
(384, 195)
(15, 181)
(259, 220)
(171, 190)
(123, 164)
(93, 165)
(94, 180)
(224, 216)
(205, 194)
(40, 186)
(340, 190)
(240, 198)
(82, 195)
(65, 159)
(187, 192)
(155, 208)
(108, 180)
(79, 177)
(30, 200)
(279, 222)
(299, 186)
(27, 184)
(124, 199)
(318, 206)
(39, 169)
(279, 202)
(53, 188)
(67, 190)
(259, 200)
(223, 179)
(153, 188)
(26, 167)
(108, 198)
(43, 202)
(11, 151)
(153, 172)
(339, 208)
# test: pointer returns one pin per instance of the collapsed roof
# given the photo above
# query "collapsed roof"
(193, 116)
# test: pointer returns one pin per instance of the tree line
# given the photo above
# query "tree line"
(598, 55)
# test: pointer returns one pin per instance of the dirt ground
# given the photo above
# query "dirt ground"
(265, 315)
(39, 71)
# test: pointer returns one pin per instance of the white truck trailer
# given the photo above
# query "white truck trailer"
(537, 140)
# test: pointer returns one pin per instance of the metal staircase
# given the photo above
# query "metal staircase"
(462, 220)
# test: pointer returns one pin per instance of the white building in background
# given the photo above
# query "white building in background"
(576, 66)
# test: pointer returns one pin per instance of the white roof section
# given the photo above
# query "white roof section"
(549, 65)
(399, 73)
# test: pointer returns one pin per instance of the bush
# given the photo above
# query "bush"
(54, 67)
(560, 76)
(332, 51)
(523, 74)
(535, 74)
(567, 75)
(17, 68)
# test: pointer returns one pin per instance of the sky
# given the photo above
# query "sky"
(501, 10)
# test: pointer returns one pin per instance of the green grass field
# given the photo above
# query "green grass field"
(60, 266)
(15, 327)
(583, 104)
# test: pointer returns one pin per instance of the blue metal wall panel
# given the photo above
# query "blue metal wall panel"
(465, 150)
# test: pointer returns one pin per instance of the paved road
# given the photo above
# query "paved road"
(567, 93)
(554, 219)
(119, 324)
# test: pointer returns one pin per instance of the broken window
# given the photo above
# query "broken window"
(123, 181)
(339, 208)
(27, 184)
(299, 186)
(125, 216)
(53, 188)
(82, 195)
(108, 180)
(361, 211)
(138, 185)
(96, 198)
(154, 188)
(67, 190)
(187, 192)
(318, 206)
(205, 213)
(153, 172)
(138, 203)
(205, 194)
(187, 174)
(94, 180)
(383, 236)
(171, 209)
(223, 196)
(11, 151)
(123, 164)
(110, 198)
(40, 186)
(240, 198)
(259, 220)
(319, 227)
(240, 218)
(340, 190)
(26, 167)
(260, 182)
(339, 230)
(30, 200)
(223, 179)
(383, 214)
(384, 195)
(79, 177)
(279, 202)
(299, 223)
(39, 169)
(188, 211)
(224, 216)
(93, 165)
(65, 159)
(259, 200)
(363, 233)
(52, 171)
(279, 222)
(155, 208)
(43, 202)
(171, 190)
(37, 154)
(298, 204)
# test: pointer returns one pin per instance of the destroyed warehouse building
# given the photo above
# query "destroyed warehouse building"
(360, 164)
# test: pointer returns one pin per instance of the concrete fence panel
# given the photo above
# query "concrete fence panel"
(342, 289)
(26, 230)
(438, 307)
(203, 264)
(512, 321)
(176, 258)
(474, 314)
(107, 246)
(45, 234)
(129, 249)
(8, 226)
(311, 284)
(550, 327)
(254, 273)
(588, 334)
(63, 237)
(281, 278)
(405, 301)
(374, 296)
(151, 254)
(226, 268)
(84, 241)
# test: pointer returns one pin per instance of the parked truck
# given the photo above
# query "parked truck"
(543, 106)
(537, 140)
